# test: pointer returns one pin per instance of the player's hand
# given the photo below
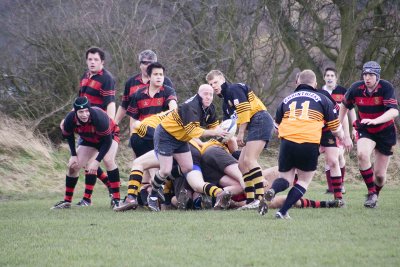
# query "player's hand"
(73, 162)
(220, 132)
(92, 167)
(368, 121)
(348, 143)
(240, 139)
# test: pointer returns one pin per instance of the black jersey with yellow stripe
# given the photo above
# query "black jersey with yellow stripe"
(302, 115)
(240, 98)
(147, 126)
(187, 121)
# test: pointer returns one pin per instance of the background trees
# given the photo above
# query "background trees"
(260, 42)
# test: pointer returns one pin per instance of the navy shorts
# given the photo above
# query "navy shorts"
(213, 163)
(385, 140)
(260, 127)
(300, 156)
(167, 145)
(328, 139)
(140, 145)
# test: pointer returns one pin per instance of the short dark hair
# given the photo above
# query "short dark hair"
(94, 50)
(152, 66)
(330, 69)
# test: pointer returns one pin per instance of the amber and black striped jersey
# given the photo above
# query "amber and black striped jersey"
(302, 115)
(337, 94)
(98, 88)
(135, 83)
(187, 121)
(240, 98)
(371, 105)
(213, 142)
(148, 125)
(336, 105)
(142, 105)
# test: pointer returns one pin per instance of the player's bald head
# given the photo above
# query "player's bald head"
(204, 87)
(307, 77)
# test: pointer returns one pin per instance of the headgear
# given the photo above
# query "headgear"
(372, 67)
(81, 103)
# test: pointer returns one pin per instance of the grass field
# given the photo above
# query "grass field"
(33, 235)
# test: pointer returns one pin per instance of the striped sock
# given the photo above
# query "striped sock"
(337, 186)
(135, 179)
(258, 182)
(157, 183)
(113, 177)
(249, 188)
(308, 203)
(369, 180)
(90, 181)
(70, 183)
(103, 177)
(211, 190)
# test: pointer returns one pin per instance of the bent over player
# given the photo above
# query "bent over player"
(100, 140)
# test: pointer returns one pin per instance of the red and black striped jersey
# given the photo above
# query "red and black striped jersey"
(98, 88)
(371, 105)
(187, 121)
(337, 94)
(240, 98)
(302, 115)
(98, 126)
(142, 105)
(135, 83)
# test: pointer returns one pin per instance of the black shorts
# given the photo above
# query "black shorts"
(260, 127)
(213, 163)
(301, 156)
(385, 140)
(141, 145)
(328, 139)
(167, 145)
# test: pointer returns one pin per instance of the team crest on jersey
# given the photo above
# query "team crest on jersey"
(377, 100)
(159, 102)
(236, 101)
(230, 103)
(331, 141)
(146, 103)
(207, 117)
(92, 84)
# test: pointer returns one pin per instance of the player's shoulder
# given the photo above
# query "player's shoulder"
(357, 85)
(340, 89)
(386, 84)
(107, 74)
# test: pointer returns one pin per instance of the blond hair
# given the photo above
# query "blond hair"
(307, 77)
(211, 75)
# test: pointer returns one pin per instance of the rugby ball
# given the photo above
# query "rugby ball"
(229, 126)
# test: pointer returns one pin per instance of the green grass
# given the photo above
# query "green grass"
(33, 235)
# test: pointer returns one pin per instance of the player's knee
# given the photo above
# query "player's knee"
(109, 163)
(362, 157)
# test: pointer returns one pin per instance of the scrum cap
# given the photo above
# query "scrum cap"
(81, 103)
(372, 67)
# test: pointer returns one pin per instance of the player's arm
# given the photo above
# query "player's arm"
(385, 117)
(111, 110)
